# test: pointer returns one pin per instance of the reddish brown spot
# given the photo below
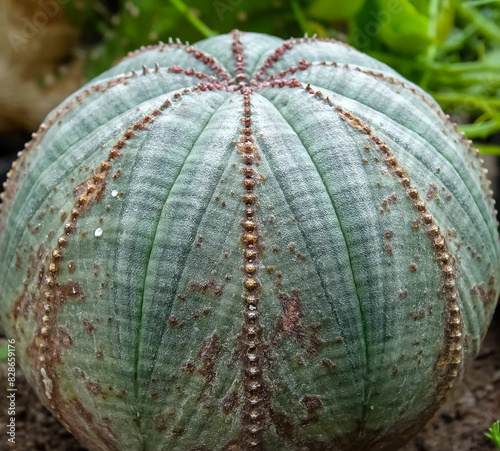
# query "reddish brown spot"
(64, 215)
(71, 267)
(154, 395)
(172, 321)
(208, 352)
(209, 288)
(391, 199)
(388, 234)
(315, 345)
(103, 432)
(63, 338)
(432, 191)
(403, 294)
(89, 327)
(99, 355)
(229, 402)
(485, 293)
(178, 432)
(19, 261)
(417, 314)
(284, 426)
(188, 367)
(291, 319)
(199, 240)
(311, 403)
(413, 267)
(327, 363)
(71, 290)
(160, 426)
(93, 388)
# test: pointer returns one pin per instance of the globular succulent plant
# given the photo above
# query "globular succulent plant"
(247, 244)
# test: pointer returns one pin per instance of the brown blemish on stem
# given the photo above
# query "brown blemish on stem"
(312, 404)
(88, 325)
(291, 319)
(486, 293)
(208, 352)
(327, 363)
(19, 261)
(290, 322)
(209, 288)
(229, 402)
(388, 234)
(93, 388)
(432, 191)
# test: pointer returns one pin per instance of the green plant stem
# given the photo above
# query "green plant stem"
(460, 98)
(480, 129)
(4, 352)
(432, 50)
(484, 26)
(457, 40)
(197, 23)
(422, 64)
(300, 17)
(494, 433)
(486, 149)
(482, 2)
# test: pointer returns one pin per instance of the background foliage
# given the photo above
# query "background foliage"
(449, 47)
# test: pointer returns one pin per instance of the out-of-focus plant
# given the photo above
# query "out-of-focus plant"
(494, 434)
(449, 47)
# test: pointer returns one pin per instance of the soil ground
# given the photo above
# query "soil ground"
(459, 426)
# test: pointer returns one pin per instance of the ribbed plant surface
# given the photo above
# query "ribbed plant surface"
(247, 243)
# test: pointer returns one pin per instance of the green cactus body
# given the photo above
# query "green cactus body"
(245, 244)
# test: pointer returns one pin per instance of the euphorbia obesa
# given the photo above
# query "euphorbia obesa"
(247, 243)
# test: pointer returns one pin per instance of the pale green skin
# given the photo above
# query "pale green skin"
(317, 194)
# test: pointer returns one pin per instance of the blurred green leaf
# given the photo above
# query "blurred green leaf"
(339, 10)
(4, 352)
(446, 19)
(405, 30)
(488, 149)
(481, 129)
